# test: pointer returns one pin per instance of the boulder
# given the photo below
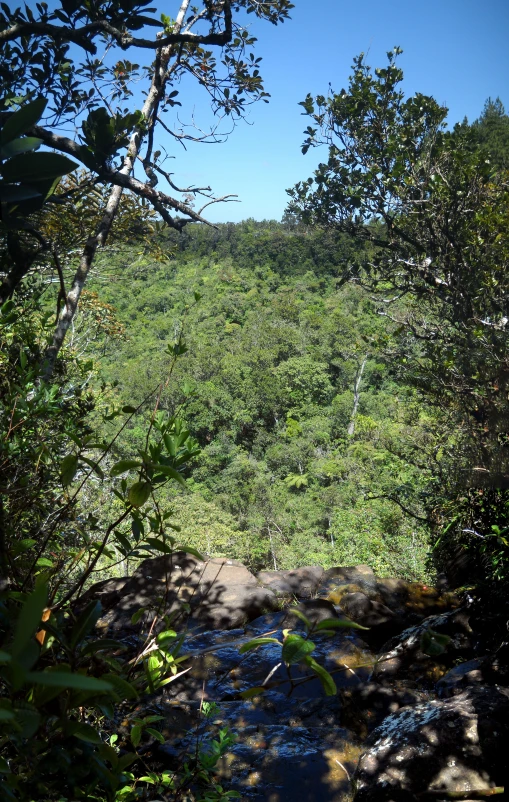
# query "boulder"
(334, 580)
(302, 582)
(215, 593)
(415, 600)
(366, 704)
(108, 592)
(454, 746)
(492, 669)
(315, 610)
(404, 656)
(286, 749)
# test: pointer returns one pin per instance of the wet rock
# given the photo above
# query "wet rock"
(219, 672)
(284, 764)
(414, 600)
(287, 749)
(487, 670)
(301, 583)
(455, 745)
(216, 593)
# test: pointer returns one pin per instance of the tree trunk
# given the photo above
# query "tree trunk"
(97, 240)
(356, 397)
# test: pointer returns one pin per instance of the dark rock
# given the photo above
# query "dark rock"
(287, 749)
(487, 670)
(403, 656)
(460, 677)
(315, 610)
(414, 600)
(455, 745)
(302, 582)
(216, 593)
(108, 592)
(335, 579)
(367, 704)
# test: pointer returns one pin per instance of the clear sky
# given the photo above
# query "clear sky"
(455, 50)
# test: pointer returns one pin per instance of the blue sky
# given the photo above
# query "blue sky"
(455, 50)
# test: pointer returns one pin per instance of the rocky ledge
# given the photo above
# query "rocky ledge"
(422, 704)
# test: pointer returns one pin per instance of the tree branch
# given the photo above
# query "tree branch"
(83, 36)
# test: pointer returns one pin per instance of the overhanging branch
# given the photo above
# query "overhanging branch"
(83, 36)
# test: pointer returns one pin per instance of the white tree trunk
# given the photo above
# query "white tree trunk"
(97, 240)
(356, 397)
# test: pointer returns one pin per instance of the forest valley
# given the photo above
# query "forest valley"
(328, 390)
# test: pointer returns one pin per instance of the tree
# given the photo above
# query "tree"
(435, 216)
(492, 132)
(433, 209)
(39, 62)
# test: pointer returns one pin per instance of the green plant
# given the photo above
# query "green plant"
(297, 650)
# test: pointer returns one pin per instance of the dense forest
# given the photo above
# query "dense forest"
(330, 389)
(300, 418)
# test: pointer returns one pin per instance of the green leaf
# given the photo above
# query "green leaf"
(146, 779)
(44, 562)
(124, 465)
(5, 657)
(66, 679)
(21, 121)
(295, 648)
(102, 645)
(139, 493)
(251, 692)
(123, 688)
(6, 715)
(156, 734)
(126, 760)
(152, 719)
(12, 193)
(194, 552)
(4, 766)
(29, 619)
(93, 464)
(299, 614)
(159, 545)
(85, 732)
(434, 643)
(68, 468)
(19, 146)
(23, 546)
(253, 644)
(86, 622)
(167, 470)
(164, 637)
(137, 615)
(135, 735)
(28, 167)
(323, 675)
(338, 623)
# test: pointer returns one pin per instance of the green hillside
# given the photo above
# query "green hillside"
(293, 469)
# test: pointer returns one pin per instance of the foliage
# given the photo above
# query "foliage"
(59, 693)
(61, 686)
(297, 650)
(436, 213)
(76, 54)
(275, 344)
